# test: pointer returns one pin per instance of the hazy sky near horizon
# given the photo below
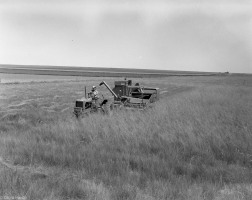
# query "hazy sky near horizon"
(192, 35)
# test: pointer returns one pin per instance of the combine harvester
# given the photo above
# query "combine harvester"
(125, 95)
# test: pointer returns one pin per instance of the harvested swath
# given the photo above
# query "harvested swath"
(22, 105)
(33, 172)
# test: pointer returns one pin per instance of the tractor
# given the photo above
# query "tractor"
(86, 106)
(126, 96)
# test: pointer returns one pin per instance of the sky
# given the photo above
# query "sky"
(191, 35)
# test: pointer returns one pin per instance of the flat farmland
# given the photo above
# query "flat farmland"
(96, 71)
(22, 78)
(195, 143)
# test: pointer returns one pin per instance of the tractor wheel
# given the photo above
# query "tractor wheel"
(76, 114)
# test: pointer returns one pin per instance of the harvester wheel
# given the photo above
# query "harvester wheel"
(111, 109)
(107, 109)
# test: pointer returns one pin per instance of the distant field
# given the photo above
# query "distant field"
(25, 78)
(194, 144)
(96, 71)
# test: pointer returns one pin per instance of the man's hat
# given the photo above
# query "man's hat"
(93, 87)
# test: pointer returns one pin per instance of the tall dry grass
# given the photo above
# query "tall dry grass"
(192, 145)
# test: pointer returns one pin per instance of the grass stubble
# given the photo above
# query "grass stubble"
(195, 143)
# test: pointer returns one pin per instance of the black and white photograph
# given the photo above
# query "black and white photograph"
(126, 99)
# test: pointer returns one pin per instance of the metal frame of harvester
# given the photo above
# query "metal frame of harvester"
(125, 96)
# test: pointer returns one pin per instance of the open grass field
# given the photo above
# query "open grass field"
(195, 143)
(23, 78)
(96, 71)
